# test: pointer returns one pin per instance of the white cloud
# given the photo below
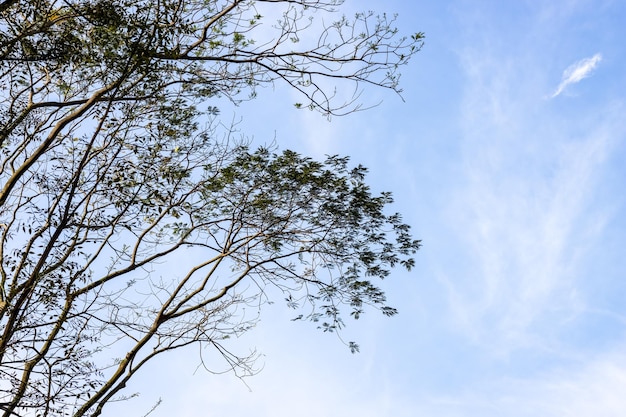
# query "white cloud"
(524, 231)
(524, 204)
(576, 72)
(594, 388)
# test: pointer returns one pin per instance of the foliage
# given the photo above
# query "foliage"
(129, 227)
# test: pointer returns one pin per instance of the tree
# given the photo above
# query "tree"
(114, 167)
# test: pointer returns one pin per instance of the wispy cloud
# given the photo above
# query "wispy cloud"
(525, 207)
(577, 72)
(588, 388)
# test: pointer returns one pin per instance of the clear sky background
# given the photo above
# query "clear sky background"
(508, 158)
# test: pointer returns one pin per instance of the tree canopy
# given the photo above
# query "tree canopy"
(113, 168)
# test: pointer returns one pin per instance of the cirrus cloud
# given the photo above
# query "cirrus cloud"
(577, 72)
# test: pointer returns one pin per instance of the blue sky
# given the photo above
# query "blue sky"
(507, 158)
